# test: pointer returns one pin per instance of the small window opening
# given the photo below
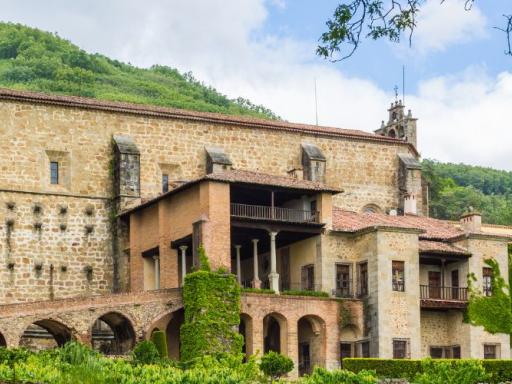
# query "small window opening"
(54, 172)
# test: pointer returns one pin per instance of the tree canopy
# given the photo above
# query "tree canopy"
(34, 60)
(454, 188)
(376, 19)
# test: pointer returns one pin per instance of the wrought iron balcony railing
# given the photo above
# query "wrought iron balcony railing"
(263, 212)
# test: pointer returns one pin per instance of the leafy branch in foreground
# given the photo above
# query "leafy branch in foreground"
(377, 19)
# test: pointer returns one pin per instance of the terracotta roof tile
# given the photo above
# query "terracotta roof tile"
(164, 112)
(258, 178)
(439, 247)
(348, 221)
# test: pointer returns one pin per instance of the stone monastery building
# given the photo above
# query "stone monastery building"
(103, 206)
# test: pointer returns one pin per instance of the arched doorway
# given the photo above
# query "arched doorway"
(3, 343)
(113, 334)
(45, 334)
(173, 334)
(245, 329)
(275, 333)
(311, 339)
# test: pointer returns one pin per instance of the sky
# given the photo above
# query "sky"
(458, 79)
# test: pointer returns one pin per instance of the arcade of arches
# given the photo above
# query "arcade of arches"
(305, 329)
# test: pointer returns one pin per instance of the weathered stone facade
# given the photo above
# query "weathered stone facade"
(139, 189)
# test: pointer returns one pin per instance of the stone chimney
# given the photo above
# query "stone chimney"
(410, 205)
(471, 221)
(313, 163)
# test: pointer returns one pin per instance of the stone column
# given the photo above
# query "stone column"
(273, 275)
(156, 260)
(238, 266)
(183, 249)
(256, 283)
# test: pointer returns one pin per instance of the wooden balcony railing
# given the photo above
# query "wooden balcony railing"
(430, 292)
(264, 212)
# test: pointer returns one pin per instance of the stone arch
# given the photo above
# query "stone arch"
(113, 334)
(246, 330)
(172, 332)
(45, 334)
(392, 133)
(275, 333)
(311, 343)
(371, 208)
(401, 131)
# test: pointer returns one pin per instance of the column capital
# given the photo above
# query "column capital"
(255, 241)
(183, 248)
(238, 246)
(273, 233)
(156, 257)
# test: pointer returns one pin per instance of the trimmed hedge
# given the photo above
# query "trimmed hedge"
(263, 291)
(305, 293)
(500, 370)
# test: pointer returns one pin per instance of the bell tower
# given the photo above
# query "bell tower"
(399, 125)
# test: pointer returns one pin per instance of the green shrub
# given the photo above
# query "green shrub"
(497, 371)
(305, 293)
(323, 376)
(385, 368)
(160, 340)
(75, 353)
(275, 365)
(451, 372)
(259, 290)
(212, 315)
(145, 352)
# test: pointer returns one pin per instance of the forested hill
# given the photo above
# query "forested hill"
(34, 60)
(456, 187)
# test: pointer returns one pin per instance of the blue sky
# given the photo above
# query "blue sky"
(382, 61)
(459, 82)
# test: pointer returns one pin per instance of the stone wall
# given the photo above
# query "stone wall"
(53, 247)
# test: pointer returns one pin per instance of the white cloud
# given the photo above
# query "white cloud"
(443, 25)
(461, 118)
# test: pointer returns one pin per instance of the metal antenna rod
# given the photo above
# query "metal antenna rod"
(316, 105)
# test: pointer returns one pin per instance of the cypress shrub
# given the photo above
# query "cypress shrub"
(160, 340)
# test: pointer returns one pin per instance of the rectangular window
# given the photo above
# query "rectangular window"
(365, 349)
(345, 350)
(343, 280)
(490, 351)
(362, 279)
(54, 172)
(400, 348)
(308, 277)
(436, 352)
(165, 183)
(487, 281)
(456, 352)
(398, 274)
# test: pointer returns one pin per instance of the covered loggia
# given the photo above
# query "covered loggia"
(113, 334)
(45, 334)
(312, 343)
(275, 332)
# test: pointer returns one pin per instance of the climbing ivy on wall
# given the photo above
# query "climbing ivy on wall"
(493, 312)
(212, 314)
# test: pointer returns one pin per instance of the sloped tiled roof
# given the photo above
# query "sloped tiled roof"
(258, 178)
(439, 247)
(348, 221)
(245, 177)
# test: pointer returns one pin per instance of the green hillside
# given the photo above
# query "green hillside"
(34, 60)
(456, 187)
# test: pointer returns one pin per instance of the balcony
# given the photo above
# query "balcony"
(443, 297)
(263, 212)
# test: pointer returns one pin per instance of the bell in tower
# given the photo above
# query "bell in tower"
(399, 125)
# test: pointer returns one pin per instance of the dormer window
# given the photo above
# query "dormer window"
(54, 172)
